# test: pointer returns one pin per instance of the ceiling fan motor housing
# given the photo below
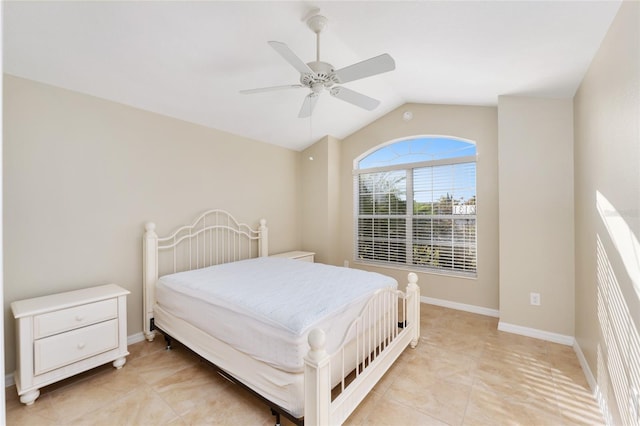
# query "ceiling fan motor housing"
(324, 75)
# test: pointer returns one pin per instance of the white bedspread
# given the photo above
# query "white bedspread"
(265, 307)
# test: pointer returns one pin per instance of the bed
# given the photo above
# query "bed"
(311, 340)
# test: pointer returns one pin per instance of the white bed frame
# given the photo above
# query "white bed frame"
(217, 237)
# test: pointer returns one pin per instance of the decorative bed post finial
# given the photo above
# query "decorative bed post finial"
(150, 227)
(317, 340)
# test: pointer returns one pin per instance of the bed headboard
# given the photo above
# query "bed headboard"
(215, 237)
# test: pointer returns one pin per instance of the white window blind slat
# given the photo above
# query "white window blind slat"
(436, 230)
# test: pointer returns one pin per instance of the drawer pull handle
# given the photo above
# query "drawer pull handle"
(79, 317)
(80, 345)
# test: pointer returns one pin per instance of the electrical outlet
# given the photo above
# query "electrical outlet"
(346, 263)
(534, 299)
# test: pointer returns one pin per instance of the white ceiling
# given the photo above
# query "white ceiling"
(189, 59)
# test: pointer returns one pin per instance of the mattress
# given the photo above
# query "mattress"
(265, 307)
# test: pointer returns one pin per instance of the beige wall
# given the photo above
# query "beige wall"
(319, 168)
(536, 212)
(82, 175)
(607, 207)
(475, 123)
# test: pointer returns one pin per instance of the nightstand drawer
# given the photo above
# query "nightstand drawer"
(63, 349)
(75, 317)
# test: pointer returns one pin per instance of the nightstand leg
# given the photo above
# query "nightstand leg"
(118, 363)
(30, 397)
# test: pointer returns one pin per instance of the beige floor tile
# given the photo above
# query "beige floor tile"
(141, 406)
(160, 364)
(514, 365)
(143, 348)
(365, 408)
(191, 386)
(582, 416)
(576, 403)
(487, 408)
(116, 380)
(233, 407)
(516, 344)
(19, 414)
(25, 417)
(392, 373)
(442, 363)
(178, 421)
(471, 324)
(541, 395)
(391, 413)
(463, 371)
(469, 344)
(11, 396)
(424, 391)
(85, 396)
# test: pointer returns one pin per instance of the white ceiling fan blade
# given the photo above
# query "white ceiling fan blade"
(355, 98)
(366, 68)
(270, 89)
(308, 105)
(291, 57)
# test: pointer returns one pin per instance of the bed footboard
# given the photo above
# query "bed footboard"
(399, 328)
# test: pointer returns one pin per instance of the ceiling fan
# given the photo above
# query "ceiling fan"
(318, 75)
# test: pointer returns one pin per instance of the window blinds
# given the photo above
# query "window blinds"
(437, 230)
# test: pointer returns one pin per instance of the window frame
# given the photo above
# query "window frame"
(409, 216)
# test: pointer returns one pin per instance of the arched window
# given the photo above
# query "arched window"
(436, 229)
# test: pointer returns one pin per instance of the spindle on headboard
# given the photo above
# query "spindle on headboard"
(214, 237)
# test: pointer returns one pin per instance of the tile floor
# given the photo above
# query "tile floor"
(463, 372)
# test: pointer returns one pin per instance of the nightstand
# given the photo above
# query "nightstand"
(305, 256)
(64, 334)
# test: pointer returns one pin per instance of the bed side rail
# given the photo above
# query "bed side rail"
(387, 325)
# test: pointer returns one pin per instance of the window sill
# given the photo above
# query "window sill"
(450, 274)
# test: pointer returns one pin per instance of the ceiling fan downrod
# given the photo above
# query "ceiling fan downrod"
(317, 23)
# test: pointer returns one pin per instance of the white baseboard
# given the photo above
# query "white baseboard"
(593, 384)
(502, 326)
(134, 338)
(536, 334)
(461, 306)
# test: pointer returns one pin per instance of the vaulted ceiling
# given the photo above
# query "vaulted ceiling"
(189, 60)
